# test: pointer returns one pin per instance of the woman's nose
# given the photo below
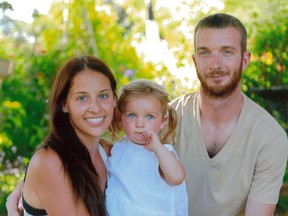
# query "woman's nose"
(95, 107)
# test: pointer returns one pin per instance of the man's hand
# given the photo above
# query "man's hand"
(14, 201)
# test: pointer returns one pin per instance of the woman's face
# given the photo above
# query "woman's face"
(90, 104)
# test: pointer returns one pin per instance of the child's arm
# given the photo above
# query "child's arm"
(171, 169)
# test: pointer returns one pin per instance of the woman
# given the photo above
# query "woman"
(67, 174)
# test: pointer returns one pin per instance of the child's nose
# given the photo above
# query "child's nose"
(140, 122)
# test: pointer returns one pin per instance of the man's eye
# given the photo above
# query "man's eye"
(227, 52)
(203, 53)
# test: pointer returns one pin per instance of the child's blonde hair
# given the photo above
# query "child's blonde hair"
(140, 88)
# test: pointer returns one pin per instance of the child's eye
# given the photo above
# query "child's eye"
(131, 115)
(150, 117)
(82, 98)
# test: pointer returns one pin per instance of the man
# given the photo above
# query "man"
(234, 152)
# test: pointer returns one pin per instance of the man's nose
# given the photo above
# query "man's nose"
(215, 62)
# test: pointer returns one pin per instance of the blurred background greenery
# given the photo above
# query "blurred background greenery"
(137, 39)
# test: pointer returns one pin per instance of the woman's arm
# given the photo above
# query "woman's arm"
(14, 201)
(171, 169)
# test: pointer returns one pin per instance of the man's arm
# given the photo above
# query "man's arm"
(14, 201)
(260, 209)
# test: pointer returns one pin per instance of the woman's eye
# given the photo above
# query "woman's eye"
(82, 98)
(103, 96)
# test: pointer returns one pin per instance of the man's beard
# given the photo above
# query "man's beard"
(221, 91)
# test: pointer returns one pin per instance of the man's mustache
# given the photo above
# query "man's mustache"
(216, 73)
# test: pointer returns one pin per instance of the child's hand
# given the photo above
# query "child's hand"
(152, 141)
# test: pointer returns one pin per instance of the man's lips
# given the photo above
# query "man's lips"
(216, 74)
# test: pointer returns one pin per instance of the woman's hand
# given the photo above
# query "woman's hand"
(14, 201)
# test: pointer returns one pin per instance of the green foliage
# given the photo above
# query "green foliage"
(270, 46)
(8, 179)
(282, 206)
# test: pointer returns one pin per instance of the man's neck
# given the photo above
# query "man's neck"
(218, 119)
(221, 109)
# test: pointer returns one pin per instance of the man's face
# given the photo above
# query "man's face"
(219, 61)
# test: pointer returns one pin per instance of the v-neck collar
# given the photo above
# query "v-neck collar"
(228, 146)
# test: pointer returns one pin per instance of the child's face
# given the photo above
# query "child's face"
(90, 104)
(140, 115)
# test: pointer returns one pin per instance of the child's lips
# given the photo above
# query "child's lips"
(140, 133)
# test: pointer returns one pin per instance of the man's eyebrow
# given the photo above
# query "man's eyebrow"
(199, 48)
(229, 47)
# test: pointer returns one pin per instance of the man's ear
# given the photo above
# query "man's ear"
(164, 121)
(194, 59)
(246, 60)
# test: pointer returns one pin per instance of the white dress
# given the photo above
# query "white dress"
(135, 187)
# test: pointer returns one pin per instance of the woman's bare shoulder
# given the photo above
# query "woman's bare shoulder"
(48, 179)
(46, 160)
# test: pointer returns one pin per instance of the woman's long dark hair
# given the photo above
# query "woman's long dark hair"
(64, 141)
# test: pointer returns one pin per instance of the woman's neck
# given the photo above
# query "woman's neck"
(92, 144)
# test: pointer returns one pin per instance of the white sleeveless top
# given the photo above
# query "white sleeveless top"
(103, 154)
(135, 186)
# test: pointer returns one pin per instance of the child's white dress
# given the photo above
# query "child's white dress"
(135, 187)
